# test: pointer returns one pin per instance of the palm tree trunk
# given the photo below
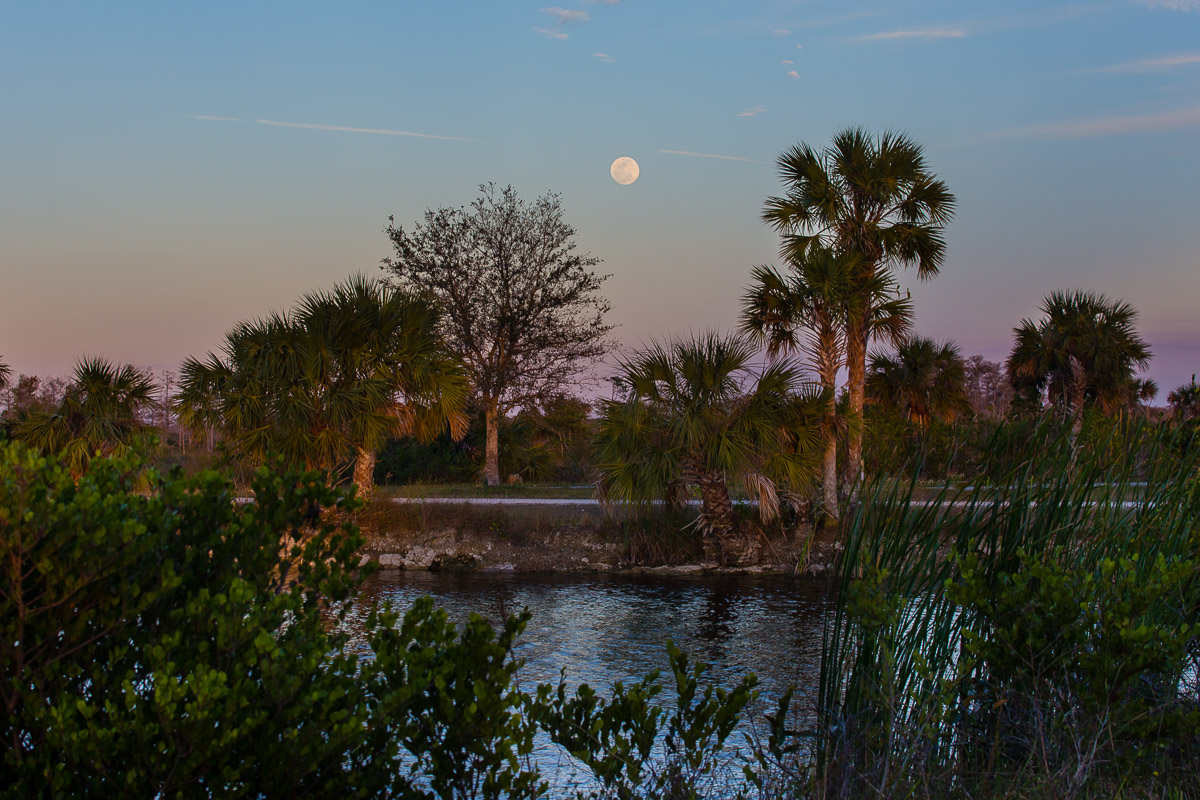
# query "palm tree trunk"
(364, 471)
(829, 477)
(491, 462)
(856, 367)
(717, 517)
(828, 363)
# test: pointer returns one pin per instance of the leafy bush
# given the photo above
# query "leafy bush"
(1072, 665)
(178, 643)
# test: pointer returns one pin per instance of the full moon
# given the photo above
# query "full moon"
(624, 170)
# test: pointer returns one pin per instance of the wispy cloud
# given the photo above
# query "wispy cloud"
(1163, 64)
(842, 20)
(562, 16)
(788, 61)
(781, 32)
(215, 119)
(754, 111)
(605, 57)
(565, 15)
(690, 154)
(1174, 5)
(344, 129)
(605, 2)
(793, 74)
(1114, 126)
(927, 34)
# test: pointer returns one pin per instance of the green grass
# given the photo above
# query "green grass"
(898, 697)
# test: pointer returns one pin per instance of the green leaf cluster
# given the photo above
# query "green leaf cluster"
(179, 643)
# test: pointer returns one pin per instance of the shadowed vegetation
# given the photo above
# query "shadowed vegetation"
(101, 412)
(1032, 636)
(696, 413)
(327, 383)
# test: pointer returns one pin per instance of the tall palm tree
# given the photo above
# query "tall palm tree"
(925, 380)
(1085, 348)
(696, 413)
(5, 374)
(329, 381)
(1185, 400)
(806, 312)
(101, 411)
(872, 196)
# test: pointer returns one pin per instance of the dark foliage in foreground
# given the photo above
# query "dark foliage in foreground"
(1033, 638)
(1035, 635)
(178, 644)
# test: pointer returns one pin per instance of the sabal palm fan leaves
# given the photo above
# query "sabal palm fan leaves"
(100, 412)
(872, 196)
(329, 381)
(5, 374)
(697, 413)
(925, 380)
(1085, 348)
(805, 312)
(1185, 400)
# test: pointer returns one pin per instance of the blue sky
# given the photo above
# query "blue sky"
(167, 169)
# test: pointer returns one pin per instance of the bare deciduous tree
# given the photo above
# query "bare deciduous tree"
(520, 308)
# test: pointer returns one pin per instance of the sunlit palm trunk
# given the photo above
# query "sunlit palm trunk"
(364, 471)
(856, 367)
(828, 366)
(491, 464)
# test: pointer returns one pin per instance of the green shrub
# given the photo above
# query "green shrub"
(179, 644)
(176, 643)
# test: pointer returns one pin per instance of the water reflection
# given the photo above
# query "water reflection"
(607, 628)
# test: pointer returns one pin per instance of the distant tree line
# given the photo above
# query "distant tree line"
(472, 360)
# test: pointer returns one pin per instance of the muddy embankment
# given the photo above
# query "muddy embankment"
(580, 537)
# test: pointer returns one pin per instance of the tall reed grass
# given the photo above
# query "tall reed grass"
(1033, 634)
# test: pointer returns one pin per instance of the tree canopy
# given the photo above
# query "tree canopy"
(924, 380)
(804, 313)
(1185, 400)
(1085, 348)
(101, 411)
(520, 307)
(697, 413)
(873, 197)
(329, 381)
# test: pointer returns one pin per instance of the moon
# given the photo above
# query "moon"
(624, 170)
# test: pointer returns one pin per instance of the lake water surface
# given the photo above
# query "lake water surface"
(606, 628)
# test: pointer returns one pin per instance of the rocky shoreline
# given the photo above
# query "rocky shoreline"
(563, 538)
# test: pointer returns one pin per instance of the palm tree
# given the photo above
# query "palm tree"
(925, 380)
(873, 197)
(806, 311)
(5, 374)
(1185, 400)
(696, 413)
(101, 412)
(1084, 349)
(329, 381)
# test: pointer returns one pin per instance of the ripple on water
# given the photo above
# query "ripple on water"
(607, 628)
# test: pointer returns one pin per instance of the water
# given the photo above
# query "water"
(607, 628)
